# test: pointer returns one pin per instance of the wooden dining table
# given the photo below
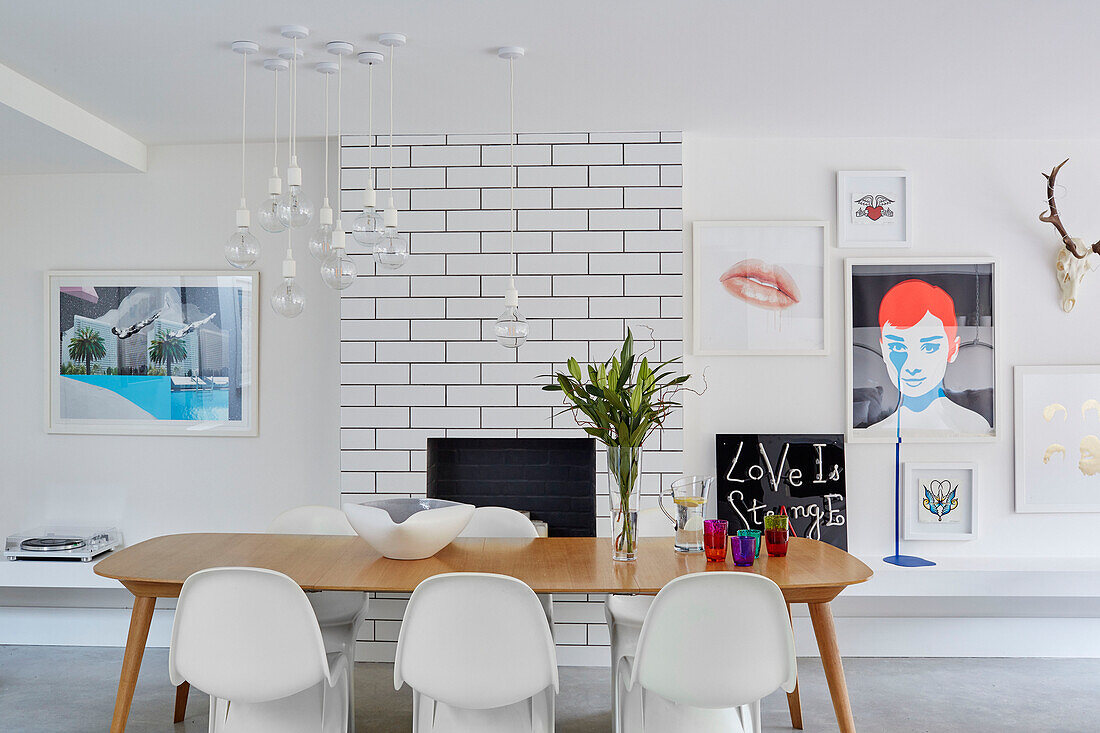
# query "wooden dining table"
(812, 572)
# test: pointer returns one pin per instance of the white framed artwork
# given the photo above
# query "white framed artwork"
(922, 349)
(874, 209)
(938, 501)
(760, 288)
(1057, 417)
(151, 353)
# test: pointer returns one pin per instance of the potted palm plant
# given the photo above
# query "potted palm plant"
(620, 403)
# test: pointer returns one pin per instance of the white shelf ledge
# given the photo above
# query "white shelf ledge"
(53, 574)
(985, 576)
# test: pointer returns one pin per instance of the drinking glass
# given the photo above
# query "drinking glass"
(755, 534)
(714, 539)
(776, 534)
(744, 550)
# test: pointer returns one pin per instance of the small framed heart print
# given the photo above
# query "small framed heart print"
(874, 209)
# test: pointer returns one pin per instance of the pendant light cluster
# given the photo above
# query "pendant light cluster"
(293, 209)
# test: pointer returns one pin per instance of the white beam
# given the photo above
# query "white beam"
(39, 103)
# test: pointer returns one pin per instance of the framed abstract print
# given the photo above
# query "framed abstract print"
(921, 341)
(938, 502)
(760, 287)
(1057, 419)
(151, 353)
(874, 209)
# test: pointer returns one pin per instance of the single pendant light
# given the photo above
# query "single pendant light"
(511, 327)
(295, 209)
(392, 250)
(320, 243)
(338, 271)
(367, 227)
(242, 249)
(288, 300)
(268, 213)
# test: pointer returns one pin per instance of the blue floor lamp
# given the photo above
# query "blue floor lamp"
(897, 358)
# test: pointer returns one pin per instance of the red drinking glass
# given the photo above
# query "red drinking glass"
(776, 534)
(715, 533)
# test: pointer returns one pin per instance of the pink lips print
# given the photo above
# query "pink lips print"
(762, 285)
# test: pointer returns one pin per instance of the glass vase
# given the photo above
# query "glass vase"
(624, 467)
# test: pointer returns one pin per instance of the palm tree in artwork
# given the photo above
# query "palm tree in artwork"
(87, 346)
(165, 348)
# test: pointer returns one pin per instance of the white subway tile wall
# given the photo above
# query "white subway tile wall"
(599, 235)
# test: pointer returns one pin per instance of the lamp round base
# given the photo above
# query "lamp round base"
(908, 561)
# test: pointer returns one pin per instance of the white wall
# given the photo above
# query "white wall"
(176, 216)
(970, 198)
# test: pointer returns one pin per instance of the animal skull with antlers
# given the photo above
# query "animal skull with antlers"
(1076, 258)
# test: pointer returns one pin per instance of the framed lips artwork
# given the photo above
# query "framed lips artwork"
(760, 287)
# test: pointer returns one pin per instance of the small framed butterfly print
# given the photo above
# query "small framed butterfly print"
(874, 209)
(938, 501)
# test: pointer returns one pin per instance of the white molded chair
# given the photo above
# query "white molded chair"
(625, 614)
(248, 638)
(476, 651)
(700, 670)
(340, 613)
(498, 521)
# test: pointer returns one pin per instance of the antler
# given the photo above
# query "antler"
(1051, 215)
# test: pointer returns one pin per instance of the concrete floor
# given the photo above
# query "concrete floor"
(72, 689)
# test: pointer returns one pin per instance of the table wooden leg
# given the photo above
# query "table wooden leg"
(140, 619)
(822, 617)
(181, 701)
(794, 702)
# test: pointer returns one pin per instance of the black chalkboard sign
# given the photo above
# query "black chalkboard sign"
(758, 474)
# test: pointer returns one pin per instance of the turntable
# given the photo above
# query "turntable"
(61, 543)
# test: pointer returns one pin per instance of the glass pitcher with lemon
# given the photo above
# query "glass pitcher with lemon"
(689, 495)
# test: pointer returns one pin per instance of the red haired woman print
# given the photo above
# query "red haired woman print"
(919, 338)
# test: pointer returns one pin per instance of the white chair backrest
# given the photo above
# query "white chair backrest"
(652, 522)
(246, 635)
(716, 640)
(311, 519)
(498, 521)
(475, 641)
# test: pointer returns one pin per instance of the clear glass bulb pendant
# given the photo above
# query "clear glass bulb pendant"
(295, 210)
(339, 270)
(268, 213)
(367, 227)
(320, 244)
(288, 300)
(242, 250)
(392, 250)
(511, 327)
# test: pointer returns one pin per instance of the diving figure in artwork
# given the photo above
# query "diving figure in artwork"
(125, 333)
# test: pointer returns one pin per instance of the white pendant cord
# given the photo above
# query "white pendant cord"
(275, 117)
(393, 52)
(339, 132)
(294, 102)
(370, 124)
(244, 110)
(512, 165)
(326, 137)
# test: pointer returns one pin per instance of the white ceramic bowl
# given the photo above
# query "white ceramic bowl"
(408, 529)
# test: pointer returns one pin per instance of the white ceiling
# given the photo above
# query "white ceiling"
(163, 72)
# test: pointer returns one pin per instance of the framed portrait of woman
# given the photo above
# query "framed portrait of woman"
(922, 349)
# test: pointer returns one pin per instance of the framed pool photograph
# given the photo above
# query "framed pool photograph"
(151, 353)
(922, 350)
(760, 288)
